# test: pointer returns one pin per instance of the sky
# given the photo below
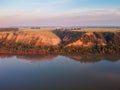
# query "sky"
(59, 13)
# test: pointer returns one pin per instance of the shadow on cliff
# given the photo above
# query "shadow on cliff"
(68, 36)
(96, 38)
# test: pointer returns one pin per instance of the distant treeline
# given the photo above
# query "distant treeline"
(35, 27)
(8, 29)
(71, 28)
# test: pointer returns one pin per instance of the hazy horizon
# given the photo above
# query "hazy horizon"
(59, 13)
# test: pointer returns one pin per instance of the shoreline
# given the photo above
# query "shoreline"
(59, 52)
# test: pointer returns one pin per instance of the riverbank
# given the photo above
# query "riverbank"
(60, 41)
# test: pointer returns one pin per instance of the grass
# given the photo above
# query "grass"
(43, 31)
(35, 30)
(51, 29)
(99, 30)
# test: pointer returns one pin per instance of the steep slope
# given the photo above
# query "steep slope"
(89, 40)
(46, 38)
(64, 38)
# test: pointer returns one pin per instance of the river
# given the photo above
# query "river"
(57, 72)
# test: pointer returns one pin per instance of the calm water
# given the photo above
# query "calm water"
(33, 72)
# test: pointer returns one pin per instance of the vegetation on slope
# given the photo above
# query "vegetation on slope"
(68, 41)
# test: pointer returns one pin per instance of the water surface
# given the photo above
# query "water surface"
(56, 72)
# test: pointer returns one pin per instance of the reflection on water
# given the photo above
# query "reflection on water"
(56, 72)
(82, 59)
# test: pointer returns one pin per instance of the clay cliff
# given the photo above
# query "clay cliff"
(64, 38)
(88, 39)
(34, 38)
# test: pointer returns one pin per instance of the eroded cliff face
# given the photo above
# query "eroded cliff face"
(34, 38)
(56, 38)
(89, 40)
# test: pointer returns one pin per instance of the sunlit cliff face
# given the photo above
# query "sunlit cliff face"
(35, 39)
(50, 38)
(89, 40)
